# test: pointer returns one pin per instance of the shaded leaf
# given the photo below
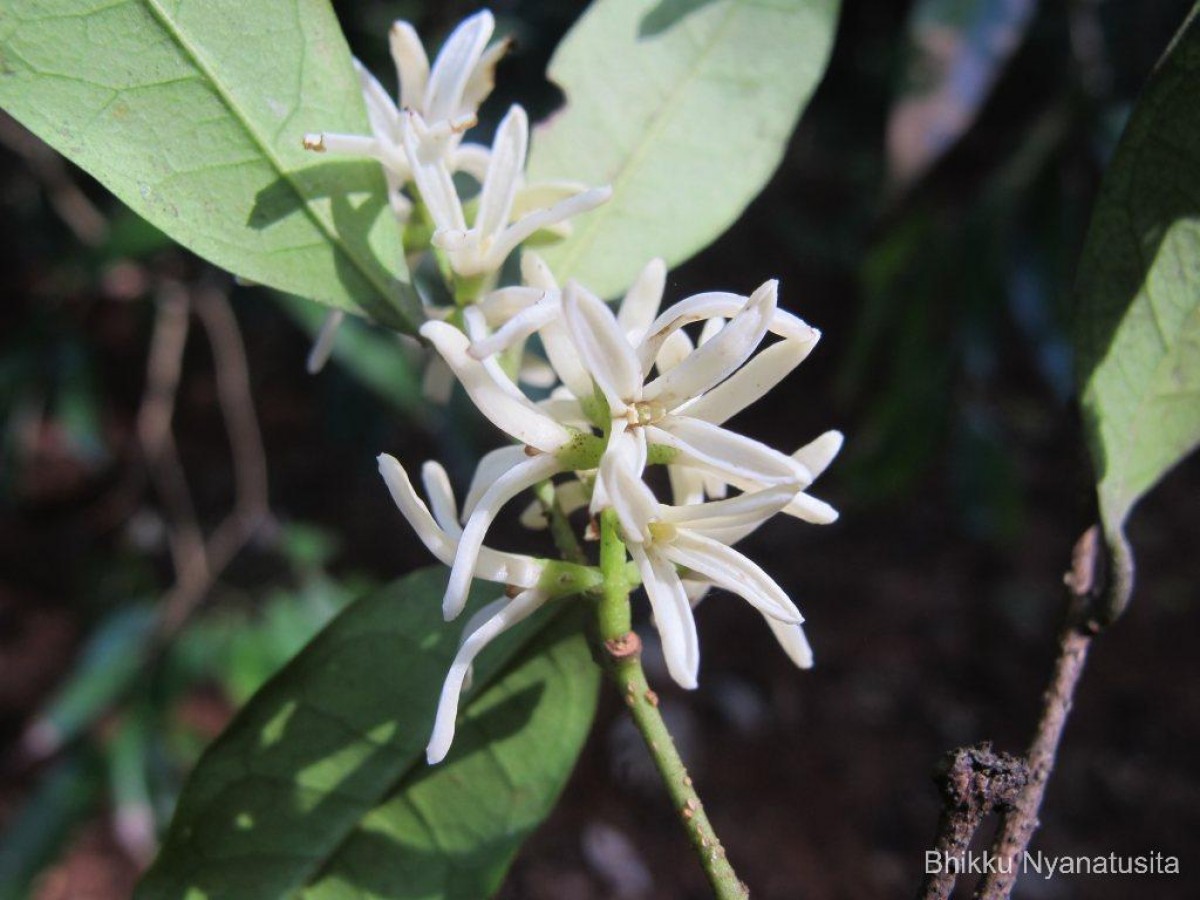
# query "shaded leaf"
(36, 832)
(111, 661)
(956, 50)
(193, 115)
(1138, 320)
(322, 776)
(685, 107)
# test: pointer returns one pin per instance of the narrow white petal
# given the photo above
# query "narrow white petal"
(503, 173)
(530, 223)
(490, 467)
(344, 145)
(535, 272)
(697, 591)
(543, 195)
(715, 486)
(512, 569)
(472, 159)
(714, 304)
(675, 350)
(461, 242)
(441, 498)
(520, 607)
(515, 416)
(622, 486)
(480, 616)
(565, 359)
(483, 76)
(748, 383)
(401, 206)
(536, 372)
(433, 180)
(455, 64)
(440, 544)
(382, 113)
(810, 509)
(711, 364)
(724, 566)
(412, 65)
(502, 304)
(793, 641)
(477, 332)
(519, 327)
(802, 506)
(566, 411)
(491, 565)
(672, 615)
(502, 490)
(736, 458)
(603, 347)
(571, 496)
(743, 509)
(710, 330)
(687, 485)
(817, 455)
(642, 300)
(729, 534)
(696, 308)
(323, 346)
(534, 517)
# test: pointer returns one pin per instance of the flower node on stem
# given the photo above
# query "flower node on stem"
(624, 646)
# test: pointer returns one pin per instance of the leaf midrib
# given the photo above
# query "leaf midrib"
(193, 53)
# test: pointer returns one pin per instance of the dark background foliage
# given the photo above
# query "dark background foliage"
(932, 605)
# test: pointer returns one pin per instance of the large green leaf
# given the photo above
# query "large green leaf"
(685, 108)
(193, 115)
(321, 779)
(1138, 329)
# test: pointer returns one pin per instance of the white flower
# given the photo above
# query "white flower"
(680, 408)
(441, 534)
(518, 312)
(483, 247)
(502, 402)
(444, 103)
(494, 393)
(697, 537)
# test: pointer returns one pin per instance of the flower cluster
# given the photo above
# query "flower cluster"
(419, 144)
(624, 391)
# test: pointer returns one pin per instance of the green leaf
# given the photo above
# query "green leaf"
(63, 796)
(685, 107)
(1138, 325)
(193, 114)
(322, 778)
(111, 661)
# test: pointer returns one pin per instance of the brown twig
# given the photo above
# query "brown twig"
(974, 782)
(197, 562)
(163, 366)
(250, 507)
(1017, 827)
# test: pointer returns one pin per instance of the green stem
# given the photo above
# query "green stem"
(560, 527)
(622, 651)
